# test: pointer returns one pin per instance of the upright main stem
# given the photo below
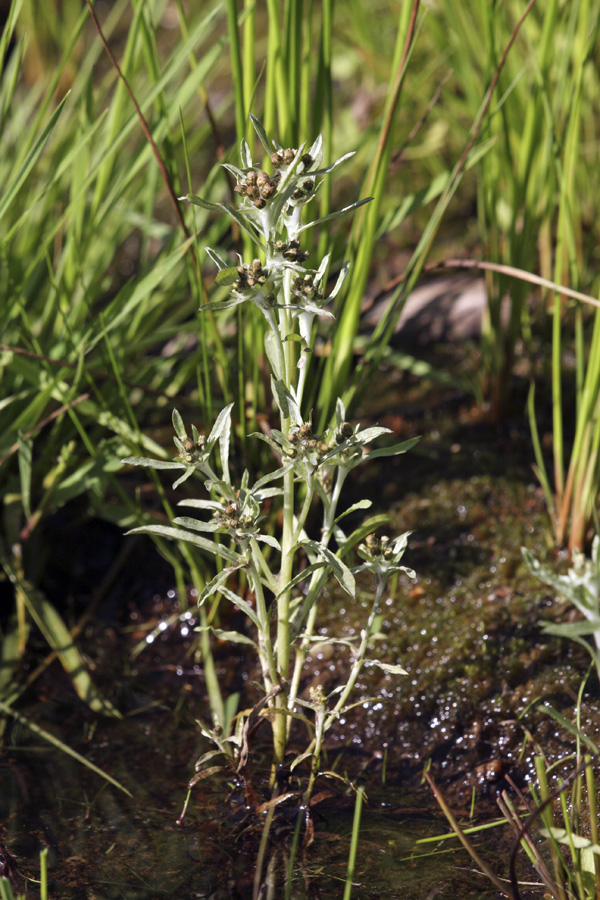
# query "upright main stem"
(287, 551)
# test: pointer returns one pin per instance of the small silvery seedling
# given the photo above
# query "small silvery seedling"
(286, 573)
(581, 587)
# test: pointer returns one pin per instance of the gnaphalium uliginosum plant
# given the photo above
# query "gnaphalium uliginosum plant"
(286, 574)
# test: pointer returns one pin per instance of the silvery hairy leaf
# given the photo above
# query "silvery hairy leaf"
(216, 583)
(369, 434)
(178, 426)
(362, 504)
(178, 534)
(195, 524)
(245, 155)
(200, 504)
(301, 576)
(387, 667)
(340, 570)
(316, 151)
(187, 474)
(234, 636)
(218, 260)
(340, 280)
(216, 305)
(333, 215)
(268, 539)
(221, 427)
(241, 604)
(238, 174)
(262, 134)
(273, 476)
(395, 449)
(151, 463)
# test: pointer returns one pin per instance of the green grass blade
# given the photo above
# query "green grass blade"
(56, 742)
(29, 162)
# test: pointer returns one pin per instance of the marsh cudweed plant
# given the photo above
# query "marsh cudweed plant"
(287, 572)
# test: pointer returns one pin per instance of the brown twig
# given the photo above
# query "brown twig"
(467, 843)
(513, 272)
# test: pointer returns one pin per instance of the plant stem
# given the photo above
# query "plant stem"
(360, 657)
(288, 547)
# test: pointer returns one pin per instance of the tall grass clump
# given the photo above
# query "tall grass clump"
(537, 213)
(534, 203)
(284, 567)
(90, 251)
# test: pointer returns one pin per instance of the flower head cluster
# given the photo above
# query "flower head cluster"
(382, 556)
(250, 276)
(239, 517)
(257, 187)
(191, 450)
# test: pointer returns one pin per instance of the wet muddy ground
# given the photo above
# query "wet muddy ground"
(467, 630)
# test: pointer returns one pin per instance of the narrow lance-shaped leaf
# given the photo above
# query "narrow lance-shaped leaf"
(333, 215)
(199, 201)
(232, 212)
(362, 504)
(196, 524)
(273, 476)
(391, 669)
(340, 280)
(200, 504)
(301, 576)
(268, 539)
(316, 150)
(271, 348)
(237, 173)
(215, 583)
(218, 305)
(176, 534)
(394, 450)
(572, 629)
(151, 463)
(282, 396)
(320, 273)
(222, 425)
(262, 134)
(178, 426)
(245, 155)
(218, 260)
(232, 636)
(340, 570)
(187, 474)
